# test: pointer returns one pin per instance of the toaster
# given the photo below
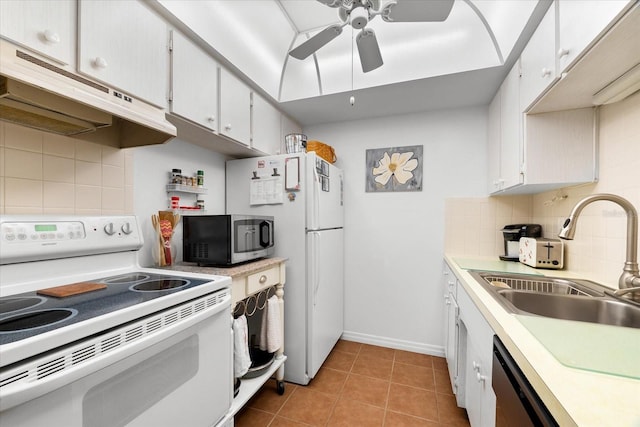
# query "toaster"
(539, 252)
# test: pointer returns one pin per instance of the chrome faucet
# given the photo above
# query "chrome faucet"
(629, 281)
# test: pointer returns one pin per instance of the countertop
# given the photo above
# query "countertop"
(575, 397)
(233, 272)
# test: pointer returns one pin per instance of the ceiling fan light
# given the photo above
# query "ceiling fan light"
(368, 49)
(359, 17)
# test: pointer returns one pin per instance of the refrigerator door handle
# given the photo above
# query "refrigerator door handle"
(316, 266)
(315, 214)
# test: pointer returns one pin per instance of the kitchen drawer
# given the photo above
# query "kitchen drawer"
(262, 279)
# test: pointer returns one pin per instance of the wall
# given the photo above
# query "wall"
(42, 173)
(394, 241)
(598, 250)
(152, 165)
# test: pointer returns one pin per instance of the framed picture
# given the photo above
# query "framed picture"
(394, 169)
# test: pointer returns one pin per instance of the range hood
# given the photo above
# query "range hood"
(39, 95)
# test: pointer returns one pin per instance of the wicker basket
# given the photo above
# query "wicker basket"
(323, 150)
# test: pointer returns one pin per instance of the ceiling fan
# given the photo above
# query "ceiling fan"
(358, 13)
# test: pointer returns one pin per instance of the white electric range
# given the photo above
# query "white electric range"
(136, 344)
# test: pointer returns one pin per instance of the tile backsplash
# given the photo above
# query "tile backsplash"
(43, 173)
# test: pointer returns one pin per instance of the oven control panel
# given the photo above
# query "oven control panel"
(24, 238)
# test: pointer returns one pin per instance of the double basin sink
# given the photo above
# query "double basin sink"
(569, 299)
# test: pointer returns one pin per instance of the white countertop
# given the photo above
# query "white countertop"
(574, 396)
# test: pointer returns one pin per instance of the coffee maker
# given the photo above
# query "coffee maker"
(512, 234)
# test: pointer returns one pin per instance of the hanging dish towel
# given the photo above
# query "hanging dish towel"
(241, 358)
(271, 331)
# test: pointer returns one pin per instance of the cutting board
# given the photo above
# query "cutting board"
(592, 347)
(72, 289)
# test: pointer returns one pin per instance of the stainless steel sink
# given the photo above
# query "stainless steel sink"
(560, 298)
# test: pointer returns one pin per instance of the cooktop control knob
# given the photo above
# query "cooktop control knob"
(126, 228)
(110, 229)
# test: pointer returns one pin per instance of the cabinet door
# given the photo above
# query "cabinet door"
(473, 387)
(235, 108)
(493, 141)
(580, 22)
(511, 133)
(194, 83)
(123, 43)
(265, 126)
(47, 27)
(538, 60)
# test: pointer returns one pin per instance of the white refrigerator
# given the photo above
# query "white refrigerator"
(304, 194)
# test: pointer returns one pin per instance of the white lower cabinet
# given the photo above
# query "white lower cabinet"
(451, 332)
(475, 362)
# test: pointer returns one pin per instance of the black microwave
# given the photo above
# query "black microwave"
(223, 240)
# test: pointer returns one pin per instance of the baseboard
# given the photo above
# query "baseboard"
(433, 350)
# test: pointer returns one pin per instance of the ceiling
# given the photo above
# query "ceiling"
(432, 65)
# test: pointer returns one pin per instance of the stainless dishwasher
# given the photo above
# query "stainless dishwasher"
(517, 403)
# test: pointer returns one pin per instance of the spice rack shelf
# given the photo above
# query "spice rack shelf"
(179, 188)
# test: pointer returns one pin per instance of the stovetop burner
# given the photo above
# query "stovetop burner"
(20, 319)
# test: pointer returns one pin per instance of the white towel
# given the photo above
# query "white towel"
(241, 358)
(271, 331)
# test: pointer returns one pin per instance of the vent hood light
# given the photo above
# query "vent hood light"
(620, 88)
(39, 95)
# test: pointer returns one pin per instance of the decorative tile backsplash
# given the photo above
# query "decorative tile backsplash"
(42, 173)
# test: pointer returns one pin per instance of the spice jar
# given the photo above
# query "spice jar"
(175, 176)
(200, 175)
(200, 204)
(175, 202)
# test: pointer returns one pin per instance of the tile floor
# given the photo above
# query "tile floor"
(362, 385)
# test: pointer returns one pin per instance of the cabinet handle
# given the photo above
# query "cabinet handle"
(481, 378)
(546, 72)
(51, 36)
(476, 366)
(211, 119)
(228, 127)
(100, 62)
(562, 52)
(447, 301)
(262, 279)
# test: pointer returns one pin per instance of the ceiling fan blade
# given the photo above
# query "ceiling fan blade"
(369, 50)
(331, 3)
(316, 42)
(417, 10)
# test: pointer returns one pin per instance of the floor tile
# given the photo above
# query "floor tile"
(443, 382)
(367, 390)
(348, 346)
(416, 376)
(372, 367)
(439, 363)
(286, 422)
(267, 399)
(449, 412)
(328, 380)
(376, 351)
(308, 406)
(349, 413)
(340, 360)
(395, 419)
(413, 401)
(250, 417)
(414, 358)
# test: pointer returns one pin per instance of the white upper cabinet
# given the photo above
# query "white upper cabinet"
(194, 83)
(505, 134)
(235, 108)
(123, 43)
(580, 22)
(538, 60)
(265, 126)
(47, 27)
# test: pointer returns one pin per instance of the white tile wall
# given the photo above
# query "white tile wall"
(42, 173)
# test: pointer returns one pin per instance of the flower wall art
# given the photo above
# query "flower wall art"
(394, 169)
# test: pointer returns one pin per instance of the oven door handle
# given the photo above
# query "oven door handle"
(66, 368)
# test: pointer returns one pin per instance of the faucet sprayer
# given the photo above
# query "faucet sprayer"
(630, 277)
